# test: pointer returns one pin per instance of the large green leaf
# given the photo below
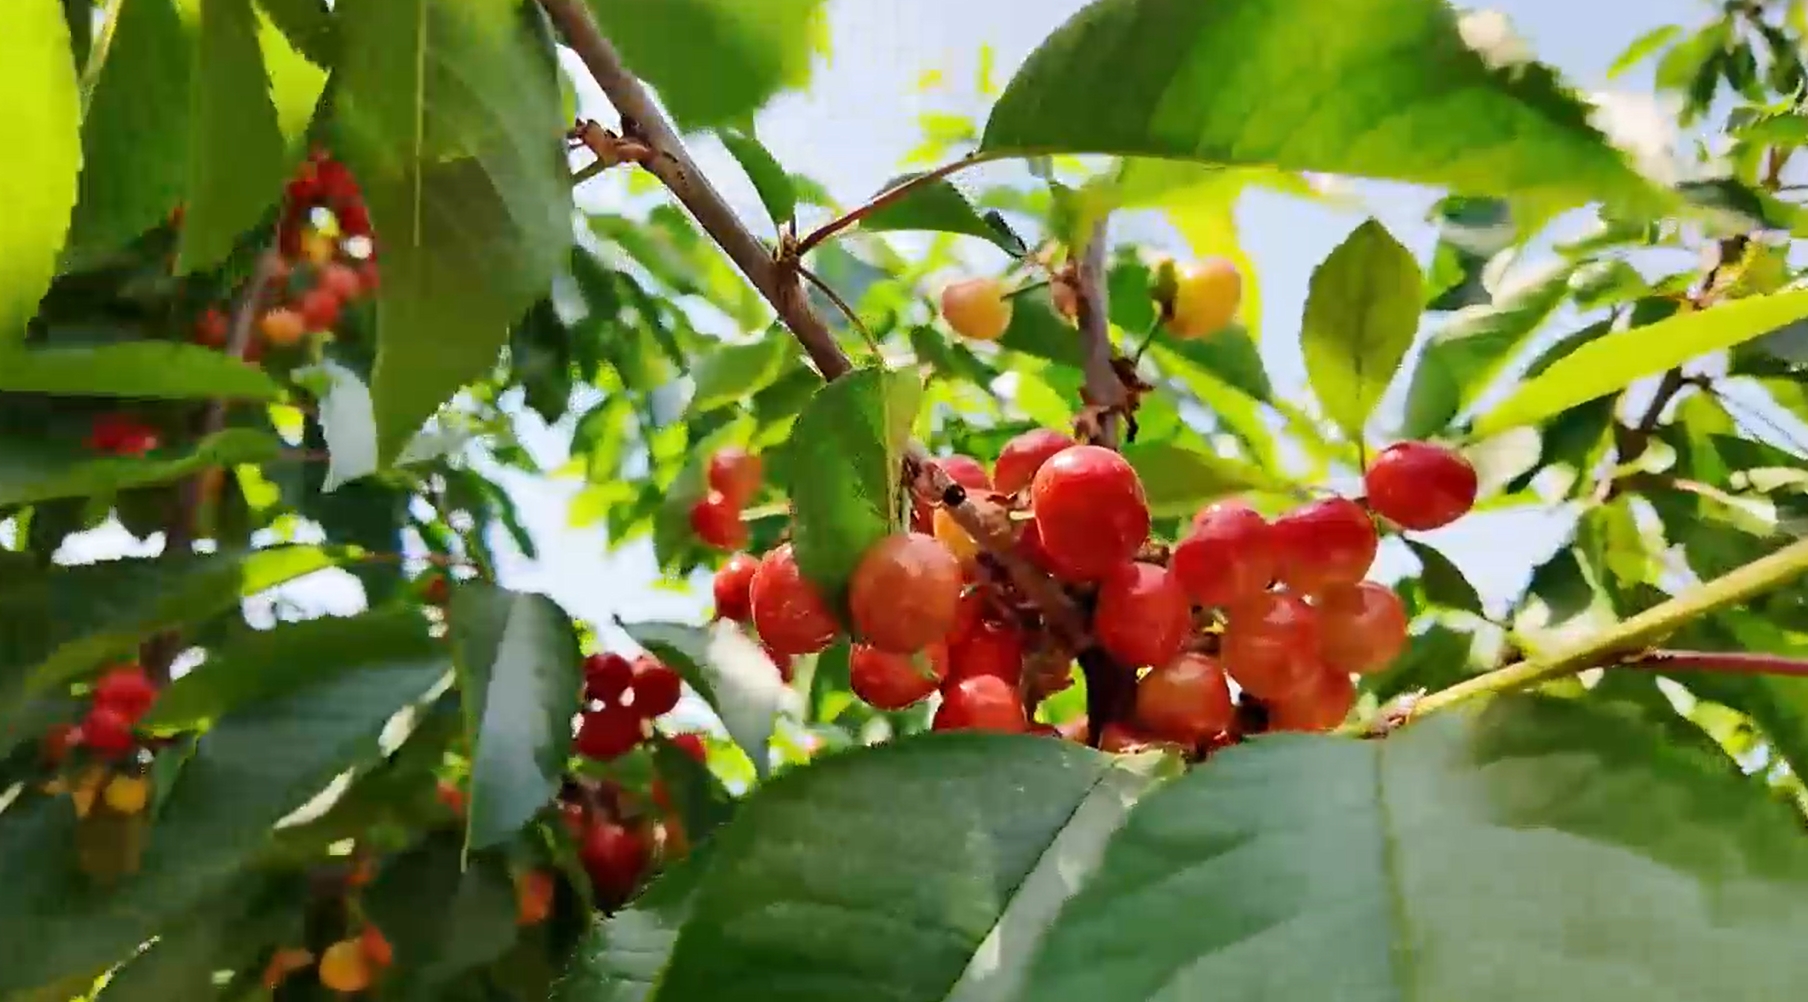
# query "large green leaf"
(1360, 319)
(450, 116)
(844, 491)
(1386, 89)
(40, 118)
(620, 958)
(309, 26)
(1535, 849)
(520, 670)
(1610, 363)
(1037, 329)
(1180, 481)
(440, 915)
(938, 205)
(731, 673)
(714, 61)
(733, 373)
(46, 468)
(1463, 357)
(775, 188)
(222, 933)
(924, 869)
(149, 369)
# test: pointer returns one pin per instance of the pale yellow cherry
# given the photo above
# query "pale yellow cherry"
(1206, 296)
(955, 538)
(977, 308)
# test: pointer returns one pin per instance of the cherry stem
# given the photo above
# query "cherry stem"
(881, 200)
(1027, 288)
(1723, 662)
(841, 304)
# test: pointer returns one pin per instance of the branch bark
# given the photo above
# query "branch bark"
(1104, 390)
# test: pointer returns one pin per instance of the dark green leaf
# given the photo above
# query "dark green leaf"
(733, 373)
(1435, 659)
(51, 468)
(520, 671)
(540, 352)
(621, 958)
(731, 673)
(702, 803)
(938, 205)
(309, 26)
(1361, 315)
(774, 186)
(843, 499)
(1357, 861)
(471, 198)
(222, 934)
(148, 369)
(1395, 93)
(1180, 481)
(41, 120)
(1443, 581)
(439, 915)
(1037, 329)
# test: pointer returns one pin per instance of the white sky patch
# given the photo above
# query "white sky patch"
(1643, 126)
(1490, 34)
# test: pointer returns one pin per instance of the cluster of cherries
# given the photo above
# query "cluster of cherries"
(734, 479)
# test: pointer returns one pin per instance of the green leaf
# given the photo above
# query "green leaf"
(442, 917)
(265, 664)
(838, 871)
(520, 670)
(843, 498)
(1360, 319)
(1179, 481)
(1617, 360)
(939, 206)
(1037, 329)
(1230, 355)
(470, 198)
(149, 369)
(41, 120)
(222, 933)
(1390, 91)
(774, 186)
(714, 61)
(1481, 856)
(1643, 47)
(731, 673)
(621, 958)
(308, 25)
(1443, 580)
(733, 373)
(43, 469)
(1464, 356)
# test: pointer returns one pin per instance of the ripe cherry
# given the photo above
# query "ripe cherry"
(981, 703)
(211, 328)
(788, 612)
(780, 662)
(1361, 627)
(344, 967)
(128, 690)
(735, 474)
(58, 742)
(1325, 543)
(977, 308)
(319, 309)
(121, 435)
(1229, 556)
(1024, 455)
(1142, 616)
(534, 892)
(1186, 700)
(450, 797)
(1271, 644)
(575, 819)
(904, 593)
(342, 281)
(1320, 705)
(1091, 515)
(354, 219)
(731, 587)
(607, 676)
(691, 743)
(614, 856)
(107, 732)
(717, 522)
(282, 326)
(1206, 296)
(1029, 547)
(1420, 485)
(369, 276)
(994, 649)
(966, 471)
(969, 614)
(376, 946)
(284, 962)
(890, 681)
(656, 687)
(437, 590)
(609, 733)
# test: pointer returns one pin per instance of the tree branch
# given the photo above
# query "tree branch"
(881, 200)
(1103, 389)
(1724, 662)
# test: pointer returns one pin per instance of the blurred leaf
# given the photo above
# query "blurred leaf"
(938, 205)
(733, 373)
(1443, 580)
(308, 25)
(1180, 481)
(774, 186)
(1360, 319)
(1643, 47)
(145, 369)
(43, 469)
(730, 671)
(621, 957)
(1232, 356)
(702, 803)
(540, 352)
(441, 915)
(1435, 659)
(1037, 329)
(41, 120)
(221, 934)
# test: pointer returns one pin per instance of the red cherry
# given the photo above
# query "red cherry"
(128, 690)
(121, 435)
(1229, 557)
(1090, 511)
(607, 677)
(1324, 543)
(609, 733)
(782, 662)
(1186, 700)
(788, 612)
(342, 281)
(1320, 705)
(1029, 547)
(656, 687)
(319, 309)
(1024, 455)
(108, 732)
(731, 587)
(336, 184)
(691, 743)
(891, 681)
(716, 520)
(58, 742)
(1420, 485)
(993, 649)
(1271, 644)
(369, 277)
(735, 474)
(449, 796)
(981, 703)
(1142, 616)
(303, 189)
(354, 219)
(211, 328)
(614, 856)
(1361, 628)
(905, 592)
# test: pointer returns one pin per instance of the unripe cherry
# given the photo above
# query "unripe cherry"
(282, 326)
(981, 703)
(1361, 627)
(735, 474)
(1142, 615)
(904, 592)
(1206, 296)
(656, 687)
(376, 946)
(1091, 515)
(716, 520)
(788, 612)
(607, 677)
(891, 681)
(534, 892)
(1271, 644)
(609, 733)
(1325, 543)
(1022, 456)
(1420, 485)
(1320, 705)
(977, 308)
(1228, 557)
(1186, 700)
(731, 587)
(994, 649)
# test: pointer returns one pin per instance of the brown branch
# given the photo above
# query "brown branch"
(1104, 391)
(1723, 662)
(881, 200)
(610, 150)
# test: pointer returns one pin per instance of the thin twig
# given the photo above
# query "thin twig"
(881, 200)
(1723, 662)
(842, 305)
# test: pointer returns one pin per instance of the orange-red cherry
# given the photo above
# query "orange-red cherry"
(788, 612)
(735, 474)
(981, 703)
(994, 649)
(1228, 557)
(1324, 543)
(732, 585)
(891, 681)
(1362, 627)
(1271, 644)
(1142, 615)
(905, 592)
(1091, 514)
(1022, 456)
(1186, 700)
(717, 522)
(1320, 705)
(1420, 485)
(609, 733)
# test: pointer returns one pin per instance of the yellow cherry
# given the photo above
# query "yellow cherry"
(977, 308)
(955, 538)
(127, 794)
(1206, 296)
